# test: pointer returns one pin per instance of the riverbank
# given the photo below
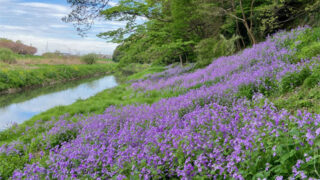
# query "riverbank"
(17, 113)
(17, 79)
(117, 96)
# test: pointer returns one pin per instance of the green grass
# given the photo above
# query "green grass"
(301, 98)
(135, 71)
(143, 73)
(299, 90)
(105, 59)
(307, 45)
(42, 74)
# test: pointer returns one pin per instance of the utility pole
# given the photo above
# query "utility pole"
(47, 47)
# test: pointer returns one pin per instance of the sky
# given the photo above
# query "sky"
(38, 23)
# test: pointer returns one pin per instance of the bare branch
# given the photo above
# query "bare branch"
(232, 15)
(84, 12)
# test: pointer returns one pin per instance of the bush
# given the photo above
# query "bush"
(117, 54)
(7, 56)
(267, 87)
(295, 79)
(310, 51)
(306, 45)
(211, 48)
(247, 90)
(90, 58)
(313, 79)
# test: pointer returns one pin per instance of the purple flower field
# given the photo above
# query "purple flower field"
(204, 133)
(267, 59)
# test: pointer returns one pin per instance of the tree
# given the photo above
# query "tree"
(174, 30)
(247, 21)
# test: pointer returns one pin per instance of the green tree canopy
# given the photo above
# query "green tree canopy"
(174, 30)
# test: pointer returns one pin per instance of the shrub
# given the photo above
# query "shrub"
(267, 87)
(90, 58)
(306, 45)
(7, 56)
(117, 54)
(295, 79)
(310, 51)
(211, 48)
(313, 79)
(247, 90)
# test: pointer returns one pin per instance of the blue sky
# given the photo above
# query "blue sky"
(38, 22)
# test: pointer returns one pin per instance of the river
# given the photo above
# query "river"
(19, 107)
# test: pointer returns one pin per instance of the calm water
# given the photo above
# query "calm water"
(17, 108)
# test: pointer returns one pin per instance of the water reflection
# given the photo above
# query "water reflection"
(22, 110)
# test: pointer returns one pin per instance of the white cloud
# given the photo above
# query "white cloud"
(37, 5)
(20, 12)
(8, 27)
(75, 46)
(37, 23)
(112, 4)
(58, 26)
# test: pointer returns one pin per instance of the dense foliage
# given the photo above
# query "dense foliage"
(90, 58)
(167, 31)
(7, 56)
(206, 129)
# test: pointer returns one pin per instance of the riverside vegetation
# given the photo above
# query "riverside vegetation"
(229, 120)
(18, 71)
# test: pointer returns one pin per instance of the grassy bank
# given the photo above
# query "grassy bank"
(18, 72)
(40, 75)
(118, 96)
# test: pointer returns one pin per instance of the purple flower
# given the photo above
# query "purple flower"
(279, 178)
(318, 131)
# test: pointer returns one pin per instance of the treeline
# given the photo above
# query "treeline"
(168, 31)
(17, 47)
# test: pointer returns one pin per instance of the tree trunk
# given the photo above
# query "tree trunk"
(237, 29)
(245, 23)
(250, 34)
(187, 59)
(180, 60)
